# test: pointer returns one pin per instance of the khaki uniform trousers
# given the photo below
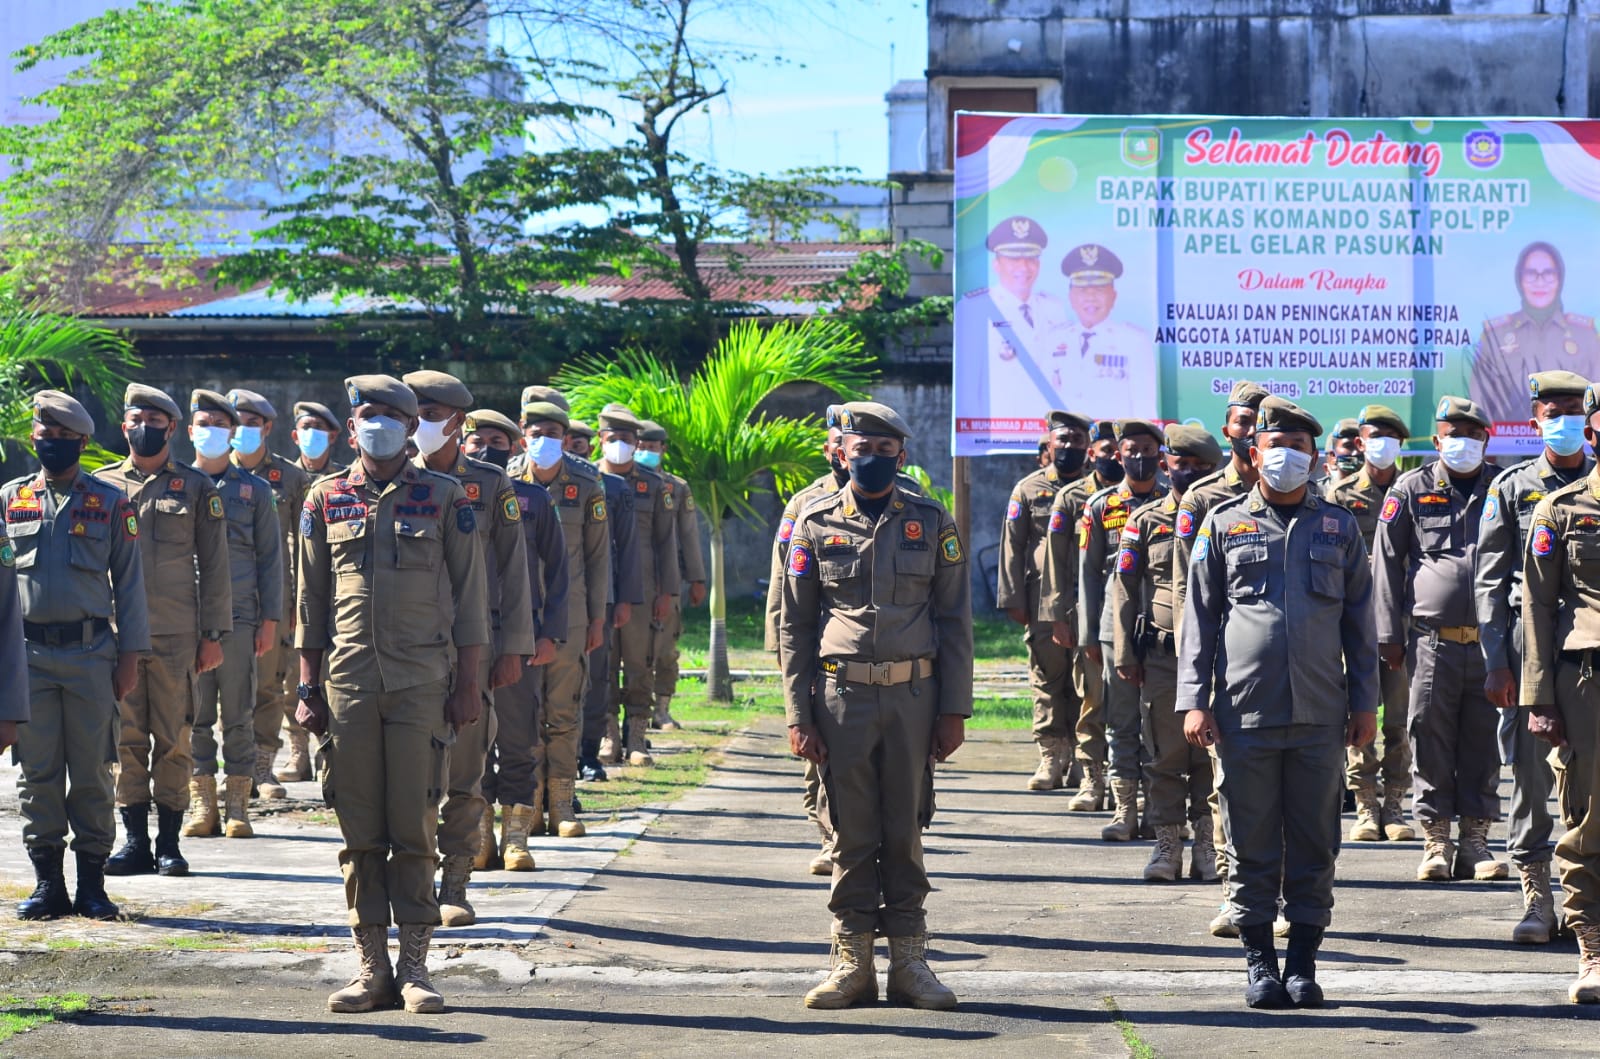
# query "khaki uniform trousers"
(1455, 748)
(1180, 774)
(1089, 683)
(1577, 768)
(66, 749)
(636, 650)
(876, 794)
(665, 677)
(1363, 765)
(277, 675)
(1056, 702)
(561, 696)
(514, 771)
(233, 684)
(153, 751)
(464, 802)
(385, 765)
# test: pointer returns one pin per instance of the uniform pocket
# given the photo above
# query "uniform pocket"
(417, 547)
(325, 768)
(1583, 555)
(1327, 572)
(843, 580)
(347, 545)
(173, 521)
(913, 577)
(25, 541)
(439, 760)
(1247, 572)
(1436, 533)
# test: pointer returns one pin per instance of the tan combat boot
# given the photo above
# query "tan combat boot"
(1365, 829)
(562, 823)
(911, 980)
(822, 863)
(536, 825)
(298, 768)
(514, 827)
(1091, 796)
(853, 978)
(204, 820)
(611, 742)
(1393, 819)
(1203, 854)
(1539, 906)
(416, 991)
(373, 985)
(1125, 822)
(237, 808)
(454, 908)
(1073, 777)
(484, 858)
(1437, 851)
(1473, 857)
(638, 752)
(1166, 859)
(1586, 990)
(268, 789)
(1047, 777)
(661, 716)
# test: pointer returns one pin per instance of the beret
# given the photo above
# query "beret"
(321, 411)
(138, 395)
(250, 401)
(872, 418)
(550, 394)
(1381, 415)
(439, 388)
(1129, 428)
(380, 389)
(1060, 420)
(832, 416)
(1280, 414)
(1461, 410)
(1346, 428)
(479, 418)
(580, 428)
(1547, 384)
(650, 430)
(535, 411)
(62, 410)
(1186, 439)
(212, 401)
(1103, 430)
(1247, 393)
(618, 417)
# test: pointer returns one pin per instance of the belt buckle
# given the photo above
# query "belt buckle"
(878, 673)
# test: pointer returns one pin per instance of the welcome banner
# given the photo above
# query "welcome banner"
(1138, 267)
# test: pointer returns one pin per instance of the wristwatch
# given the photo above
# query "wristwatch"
(214, 635)
(305, 691)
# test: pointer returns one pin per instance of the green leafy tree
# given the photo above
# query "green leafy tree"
(727, 449)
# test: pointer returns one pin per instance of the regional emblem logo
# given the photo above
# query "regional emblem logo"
(1141, 146)
(1482, 149)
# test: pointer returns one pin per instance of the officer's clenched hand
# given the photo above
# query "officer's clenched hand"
(506, 671)
(620, 614)
(312, 714)
(697, 593)
(1132, 674)
(1063, 634)
(662, 607)
(1361, 729)
(1200, 728)
(266, 636)
(544, 652)
(1501, 689)
(595, 636)
(464, 705)
(949, 732)
(1545, 723)
(8, 734)
(1093, 653)
(125, 676)
(208, 656)
(1018, 615)
(805, 741)
(1393, 655)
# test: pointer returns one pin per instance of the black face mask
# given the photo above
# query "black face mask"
(841, 471)
(1069, 461)
(1241, 447)
(57, 454)
(1140, 468)
(498, 457)
(1108, 469)
(874, 473)
(146, 440)
(1182, 480)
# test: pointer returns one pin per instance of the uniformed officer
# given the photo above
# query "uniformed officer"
(1427, 547)
(1263, 678)
(1099, 531)
(1557, 398)
(1561, 629)
(392, 589)
(1144, 652)
(580, 439)
(1344, 450)
(316, 431)
(1539, 336)
(71, 552)
(1023, 556)
(1058, 601)
(602, 735)
(691, 565)
(655, 509)
(513, 774)
(581, 507)
(183, 532)
(1383, 432)
(255, 564)
(875, 640)
(466, 825)
(1105, 364)
(289, 483)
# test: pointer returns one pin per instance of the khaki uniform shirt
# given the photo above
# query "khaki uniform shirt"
(1058, 579)
(13, 650)
(1142, 581)
(655, 512)
(1258, 646)
(390, 578)
(1502, 542)
(1362, 497)
(1099, 542)
(498, 516)
(780, 549)
(1561, 586)
(1427, 546)
(182, 531)
(1024, 538)
(255, 551)
(79, 560)
(892, 591)
(290, 482)
(581, 507)
(1222, 484)
(691, 561)
(546, 547)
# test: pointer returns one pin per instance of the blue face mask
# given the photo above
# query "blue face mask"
(313, 443)
(646, 458)
(544, 452)
(210, 442)
(247, 439)
(1563, 435)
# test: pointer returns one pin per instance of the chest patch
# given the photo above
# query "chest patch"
(911, 530)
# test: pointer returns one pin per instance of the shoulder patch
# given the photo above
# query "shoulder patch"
(8, 554)
(1185, 526)
(1202, 547)
(130, 523)
(214, 506)
(509, 506)
(1013, 510)
(950, 544)
(1491, 507)
(1127, 561)
(666, 498)
(308, 519)
(786, 529)
(1058, 521)
(465, 521)
(1391, 508)
(597, 510)
(799, 557)
(1543, 541)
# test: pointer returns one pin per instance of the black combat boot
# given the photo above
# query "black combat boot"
(92, 902)
(1261, 959)
(49, 898)
(589, 766)
(168, 860)
(134, 857)
(1300, 965)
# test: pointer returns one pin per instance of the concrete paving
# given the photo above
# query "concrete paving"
(696, 929)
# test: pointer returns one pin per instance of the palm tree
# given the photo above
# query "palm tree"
(40, 348)
(720, 444)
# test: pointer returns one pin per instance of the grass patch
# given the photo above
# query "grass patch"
(682, 760)
(19, 1015)
(754, 699)
(10, 891)
(1137, 1046)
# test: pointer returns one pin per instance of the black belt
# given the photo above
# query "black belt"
(62, 633)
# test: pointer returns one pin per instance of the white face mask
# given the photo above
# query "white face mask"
(1382, 452)
(381, 437)
(210, 442)
(617, 452)
(1462, 455)
(431, 436)
(544, 452)
(1284, 469)
(247, 439)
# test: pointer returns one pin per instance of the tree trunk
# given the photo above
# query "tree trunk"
(719, 683)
